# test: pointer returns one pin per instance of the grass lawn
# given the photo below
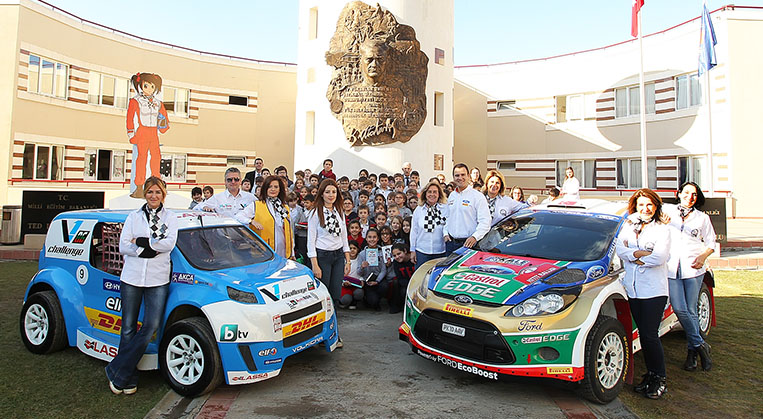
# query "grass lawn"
(64, 384)
(733, 387)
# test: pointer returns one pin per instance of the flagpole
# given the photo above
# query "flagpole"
(642, 101)
(709, 134)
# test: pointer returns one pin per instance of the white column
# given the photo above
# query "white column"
(433, 22)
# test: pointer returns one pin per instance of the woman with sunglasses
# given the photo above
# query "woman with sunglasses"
(692, 241)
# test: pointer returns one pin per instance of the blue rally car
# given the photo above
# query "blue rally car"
(235, 310)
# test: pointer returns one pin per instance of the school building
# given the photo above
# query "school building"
(64, 88)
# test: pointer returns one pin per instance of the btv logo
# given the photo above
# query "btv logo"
(230, 332)
(71, 235)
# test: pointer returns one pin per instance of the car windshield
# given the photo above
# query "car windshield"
(550, 235)
(214, 248)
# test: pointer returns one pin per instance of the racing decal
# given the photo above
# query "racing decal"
(114, 304)
(558, 370)
(276, 323)
(230, 333)
(459, 366)
(243, 377)
(182, 278)
(112, 285)
(596, 271)
(273, 361)
(95, 347)
(81, 274)
(107, 322)
(529, 325)
(286, 288)
(294, 302)
(267, 352)
(546, 338)
(528, 347)
(463, 311)
(491, 278)
(306, 345)
(304, 324)
(67, 239)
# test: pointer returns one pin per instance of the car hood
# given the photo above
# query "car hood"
(492, 278)
(259, 275)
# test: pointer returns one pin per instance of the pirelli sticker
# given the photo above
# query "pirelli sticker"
(304, 324)
(558, 370)
(463, 311)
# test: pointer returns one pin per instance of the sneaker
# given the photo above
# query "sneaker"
(353, 306)
(114, 388)
(130, 390)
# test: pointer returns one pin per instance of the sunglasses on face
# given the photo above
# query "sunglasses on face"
(232, 179)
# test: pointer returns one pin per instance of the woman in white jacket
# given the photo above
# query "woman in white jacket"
(644, 247)
(692, 241)
(148, 236)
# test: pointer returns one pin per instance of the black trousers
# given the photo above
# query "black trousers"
(374, 294)
(647, 313)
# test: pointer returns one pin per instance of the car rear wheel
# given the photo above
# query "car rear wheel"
(606, 361)
(42, 323)
(189, 359)
(704, 311)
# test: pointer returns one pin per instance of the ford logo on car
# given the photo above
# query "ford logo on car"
(596, 271)
(463, 299)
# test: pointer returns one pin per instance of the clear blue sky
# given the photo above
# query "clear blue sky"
(487, 31)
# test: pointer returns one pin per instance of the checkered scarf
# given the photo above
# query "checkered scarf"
(158, 229)
(332, 223)
(278, 207)
(433, 218)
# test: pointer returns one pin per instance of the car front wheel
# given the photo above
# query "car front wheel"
(42, 323)
(606, 361)
(704, 311)
(189, 359)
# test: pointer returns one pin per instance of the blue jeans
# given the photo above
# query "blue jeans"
(684, 294)
(422, 258)
(453, 245)
(132, 342)
(331, 263)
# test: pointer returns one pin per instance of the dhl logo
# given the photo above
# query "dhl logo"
(304, 324)
(463, 311)
(104, 321)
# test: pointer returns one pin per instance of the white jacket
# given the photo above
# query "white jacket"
(688, 239)
(143, 272)
(430, 243)
(651, 279)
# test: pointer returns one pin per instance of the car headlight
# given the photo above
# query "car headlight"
(539, 304)
(242, 296)
(423, 288)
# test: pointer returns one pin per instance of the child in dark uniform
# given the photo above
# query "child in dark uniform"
(404, 269)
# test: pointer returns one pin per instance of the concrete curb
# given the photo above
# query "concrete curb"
(173, 405)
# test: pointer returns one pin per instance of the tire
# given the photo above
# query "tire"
(41, 323)
(189, 346)
(606, 361)
(704, 311)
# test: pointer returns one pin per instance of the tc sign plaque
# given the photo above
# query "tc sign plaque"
(378, 88)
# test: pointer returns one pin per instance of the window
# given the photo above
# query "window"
(688, 91)
(507, 165)
(43, 162)
(439, 56)
(312, 30)
(173, 167)
(505, 105)
(236, 161)
(690, 169)
(175, 100)
(585, 172)
(628, 100)
(439, 109)
(47, 77)
(238, 100)
(575, 110)
(104, 165)
(629, 173)
(108, 90)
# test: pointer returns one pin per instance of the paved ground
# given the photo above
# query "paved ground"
(376, 375)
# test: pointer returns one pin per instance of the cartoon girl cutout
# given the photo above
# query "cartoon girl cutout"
(146, 118)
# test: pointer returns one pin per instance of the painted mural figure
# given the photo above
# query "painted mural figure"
(146, 118)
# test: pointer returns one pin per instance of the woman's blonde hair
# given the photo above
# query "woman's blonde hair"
(153, 180)
(440, 193)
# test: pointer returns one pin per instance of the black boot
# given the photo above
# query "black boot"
(657, 387)
(645, 380)
(691, 360)
(704, 356)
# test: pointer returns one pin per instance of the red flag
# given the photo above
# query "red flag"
(634, 18)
